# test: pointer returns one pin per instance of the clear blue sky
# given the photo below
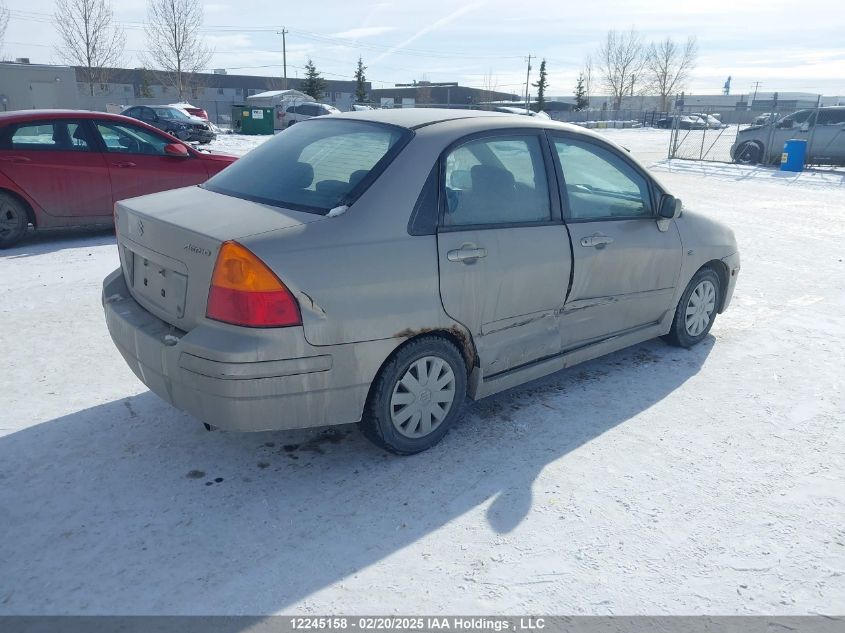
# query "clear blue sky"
(788, 46)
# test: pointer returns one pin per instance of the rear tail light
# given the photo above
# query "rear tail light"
(244, 291)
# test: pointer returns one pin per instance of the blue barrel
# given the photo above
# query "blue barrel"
(794, 153)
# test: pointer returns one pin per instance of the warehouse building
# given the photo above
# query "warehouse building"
(26, 86)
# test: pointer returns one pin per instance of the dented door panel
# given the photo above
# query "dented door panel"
(508, 299)
(623, 284)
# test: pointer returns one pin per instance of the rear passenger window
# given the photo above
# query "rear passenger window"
(496, 181)
(50, 135)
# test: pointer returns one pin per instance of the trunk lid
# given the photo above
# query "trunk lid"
(168, 244)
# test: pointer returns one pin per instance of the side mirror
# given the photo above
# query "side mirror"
(670, 207)
(176, 150)
(805, 127)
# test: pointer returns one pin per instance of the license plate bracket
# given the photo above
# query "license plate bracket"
(161, 286)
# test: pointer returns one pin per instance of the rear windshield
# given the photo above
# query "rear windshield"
(315, 165)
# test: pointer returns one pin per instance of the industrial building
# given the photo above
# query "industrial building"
(26, 86)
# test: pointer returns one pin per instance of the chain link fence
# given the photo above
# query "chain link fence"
(755, 136)
(746, 134)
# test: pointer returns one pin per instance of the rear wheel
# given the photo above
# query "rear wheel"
(696, 310)
(13, 220)
(748, 154)
(416, 397)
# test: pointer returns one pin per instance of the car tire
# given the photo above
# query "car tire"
(13, 220)
(696, 310)
(416, 396)
(748, 153)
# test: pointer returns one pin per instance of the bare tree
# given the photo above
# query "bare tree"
(89, 38)
(174, 41)
(489, 87)
(4, 22)
(621, 57)
(423, 92)
(668, 66)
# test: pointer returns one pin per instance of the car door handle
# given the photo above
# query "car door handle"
(466, 254)
(126, 164)
(596, 241)
(16, 159)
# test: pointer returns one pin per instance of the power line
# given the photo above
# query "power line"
(46, 18)
(527, 79)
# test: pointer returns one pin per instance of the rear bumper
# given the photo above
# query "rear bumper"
(218, 373)
(733, 265)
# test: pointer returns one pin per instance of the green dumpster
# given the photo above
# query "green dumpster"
(251, 120)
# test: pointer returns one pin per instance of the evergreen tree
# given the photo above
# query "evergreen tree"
(360, 83)
(581, 99)
(313, 84)
(144, 90)
(541, 84)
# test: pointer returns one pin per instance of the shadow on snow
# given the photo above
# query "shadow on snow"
(131, 507)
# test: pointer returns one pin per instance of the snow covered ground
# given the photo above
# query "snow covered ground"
(656, 480)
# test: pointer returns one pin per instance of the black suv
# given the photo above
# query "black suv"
(174, 121)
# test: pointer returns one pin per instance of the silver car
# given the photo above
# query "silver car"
(294, 113)
(710, 122)
(822, 128)
(378, 267)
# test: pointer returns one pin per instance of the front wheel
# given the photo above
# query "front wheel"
(696, 310)
(748, 154)
(13, 220)
(416, 397)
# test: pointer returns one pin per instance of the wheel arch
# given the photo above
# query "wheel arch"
(455, 335)
(721, 269)
(30, 212)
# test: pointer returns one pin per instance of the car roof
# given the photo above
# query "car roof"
(413, 118)
(461, 122)
(35, 115)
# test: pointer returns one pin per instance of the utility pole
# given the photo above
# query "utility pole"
(527, 79)
(756, 85)
(284, 32)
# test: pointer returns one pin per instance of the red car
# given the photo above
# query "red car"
(192, 110)
(68, 168)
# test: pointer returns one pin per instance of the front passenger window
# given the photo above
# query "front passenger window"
(498, 180)
(122, 138)
(833, 116)
(599, 184)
